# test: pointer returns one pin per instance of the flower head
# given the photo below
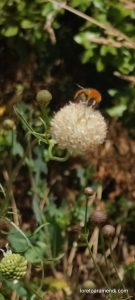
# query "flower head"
(108, 230)
(13, 266)
(78, 128)
(99, 216)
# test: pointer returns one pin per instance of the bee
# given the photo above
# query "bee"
(89, 96)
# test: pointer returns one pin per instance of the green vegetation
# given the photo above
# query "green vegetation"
(48, 195)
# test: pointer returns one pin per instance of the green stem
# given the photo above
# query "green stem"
(31, 289)
(103, 248)
(61, 159)
(42, 137)
(106, 262)
(86, 212)
(98, 269)
(52, 157)
(90, 252)
(115, 268)
(20, 231)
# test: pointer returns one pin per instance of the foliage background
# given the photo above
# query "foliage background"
(43, 45)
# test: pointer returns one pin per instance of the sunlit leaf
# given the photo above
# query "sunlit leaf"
(10, 31)
(117, 111)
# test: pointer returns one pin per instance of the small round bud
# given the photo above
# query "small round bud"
(43, 98)
(108, 230)
(13, 266)
(88, 191)
(89, 284)
(9, 124)
(99, 217)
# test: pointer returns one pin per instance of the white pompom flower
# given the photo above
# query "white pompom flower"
(78, 128)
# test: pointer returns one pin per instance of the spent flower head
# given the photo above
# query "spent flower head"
(78, 128)
(99, 217)
(108, 230)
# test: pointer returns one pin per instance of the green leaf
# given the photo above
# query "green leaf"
(10, 31)
(18, 287)
(17, 241)
(47, 9)
(117, 111)
(27, 24)
(36, 208)
(112, 92)
(35, 254)
(18, 149)
(81, 4)
(99, 65)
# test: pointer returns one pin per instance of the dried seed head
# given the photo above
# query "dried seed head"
(99, 217)
(78, 128)
(88, 191)
(108, 230)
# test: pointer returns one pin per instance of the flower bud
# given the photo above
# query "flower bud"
(88, 191)
(99, 217)
(13, 266)
(89, 284)
(9, 124)
(108, 230)
(43, 98)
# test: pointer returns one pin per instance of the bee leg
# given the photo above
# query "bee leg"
(94, 104)
(83, 102)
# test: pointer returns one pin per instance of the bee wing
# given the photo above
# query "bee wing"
(80, 86)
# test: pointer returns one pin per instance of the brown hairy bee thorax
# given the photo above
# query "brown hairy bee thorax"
(89, 96)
